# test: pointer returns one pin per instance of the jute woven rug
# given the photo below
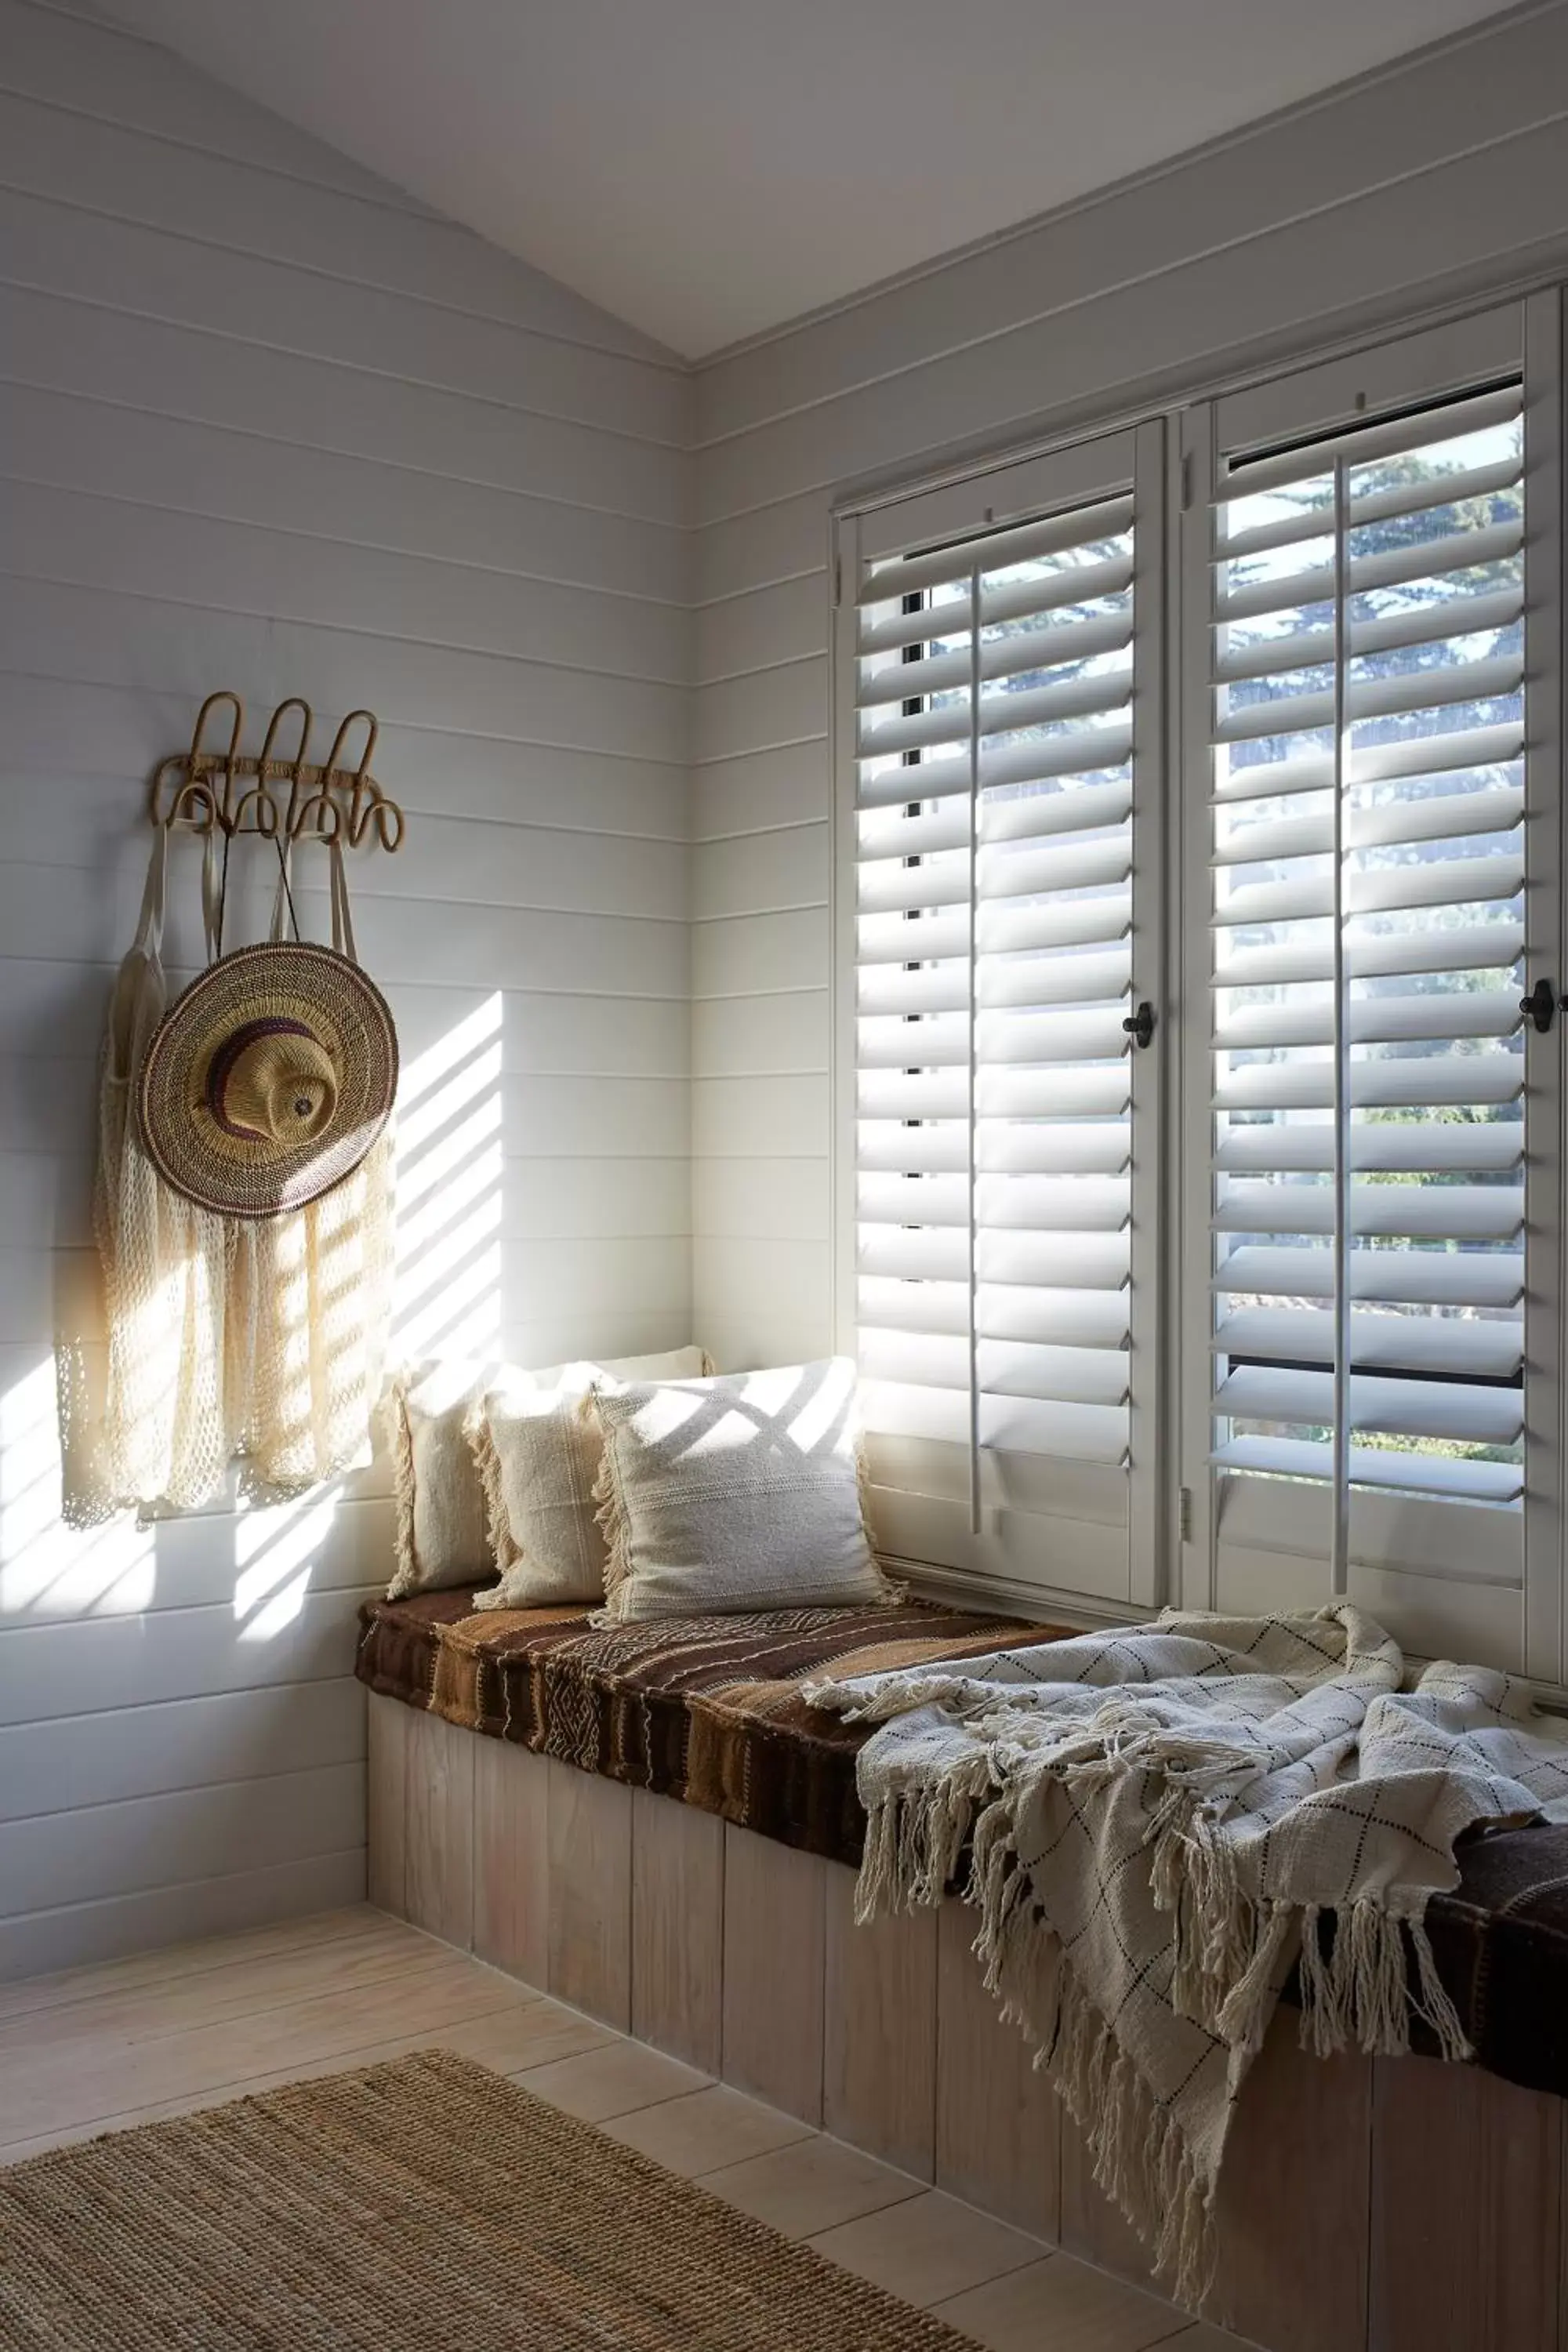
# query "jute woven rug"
(422, 2206)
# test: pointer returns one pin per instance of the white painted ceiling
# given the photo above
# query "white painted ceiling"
(706, 169)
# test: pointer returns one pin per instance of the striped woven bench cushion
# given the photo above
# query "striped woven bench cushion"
(705, 1709)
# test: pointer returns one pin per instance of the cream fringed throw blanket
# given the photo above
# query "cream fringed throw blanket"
(1165, 1819)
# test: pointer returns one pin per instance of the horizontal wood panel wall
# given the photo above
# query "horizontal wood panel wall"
(267, 423)
(1448, 171)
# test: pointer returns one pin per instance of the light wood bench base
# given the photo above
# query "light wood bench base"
(1387, 2206)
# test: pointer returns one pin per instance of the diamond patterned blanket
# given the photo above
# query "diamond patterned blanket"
(1165, 1821)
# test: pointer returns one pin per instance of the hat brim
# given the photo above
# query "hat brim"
(238, 1175)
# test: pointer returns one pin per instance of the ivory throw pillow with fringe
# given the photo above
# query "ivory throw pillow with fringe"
(736, 1493)
(538, 1451)
(440, 1505)
(443, 1535)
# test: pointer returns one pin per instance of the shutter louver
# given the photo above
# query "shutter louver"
(1368, 925)
(993, 946)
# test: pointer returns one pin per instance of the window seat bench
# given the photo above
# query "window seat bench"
(655, 1828)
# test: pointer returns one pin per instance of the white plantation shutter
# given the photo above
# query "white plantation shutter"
(1318, 1347)
(996, 684)
(1381, 894)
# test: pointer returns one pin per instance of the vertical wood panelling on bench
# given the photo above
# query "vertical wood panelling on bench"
(386, 1804)
(439, 1863)
(1293, 2201)
(997, 2121)
(878, 2068)
(1466, 2188)
(1424, 2213)
(774, 1943)
(511, 1860)
(678, 1929)
(590, 1876)
(1296, 2181)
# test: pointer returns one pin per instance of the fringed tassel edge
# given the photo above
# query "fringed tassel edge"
(400, 1445)
(1360, 1996)
(1230, 1953)
(505, 1550)
(893, 1693)
(894, 1589)
(1137, 2153)
(914, 1839)
(615, 1527)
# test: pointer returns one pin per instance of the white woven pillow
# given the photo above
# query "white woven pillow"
(442, 1531)
(732, 1494)
(537, 1450)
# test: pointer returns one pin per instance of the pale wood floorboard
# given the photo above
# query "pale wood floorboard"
(34, 1993)
(106, 2048)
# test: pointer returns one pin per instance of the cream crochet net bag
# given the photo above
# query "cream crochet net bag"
(261, 1338)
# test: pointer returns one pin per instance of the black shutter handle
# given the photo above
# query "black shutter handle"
(1540, 1005)
(1140, 1025)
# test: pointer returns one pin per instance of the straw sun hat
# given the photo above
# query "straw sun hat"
(269, 1080)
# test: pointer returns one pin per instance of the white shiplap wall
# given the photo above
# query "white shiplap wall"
(1444, 174)
(266, 423)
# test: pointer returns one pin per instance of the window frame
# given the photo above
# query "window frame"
(1422, 1569)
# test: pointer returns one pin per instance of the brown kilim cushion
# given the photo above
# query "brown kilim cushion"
(709, 1710)
(426, 2203)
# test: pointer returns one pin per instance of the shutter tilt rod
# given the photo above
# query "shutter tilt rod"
(974, 1510)
(1339, 1552)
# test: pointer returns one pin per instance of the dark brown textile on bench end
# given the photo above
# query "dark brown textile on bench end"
(705, 1709)
(1501, 1942)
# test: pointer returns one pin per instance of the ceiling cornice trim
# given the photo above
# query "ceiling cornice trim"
(1447, 44)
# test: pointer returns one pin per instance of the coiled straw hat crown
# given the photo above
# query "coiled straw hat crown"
(268, 1081)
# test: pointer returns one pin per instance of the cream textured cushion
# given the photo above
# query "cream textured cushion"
(736, 1493)
(537, 1450)
(442, 1530)
(441, 1536)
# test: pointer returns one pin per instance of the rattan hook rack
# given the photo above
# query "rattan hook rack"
(216, 785)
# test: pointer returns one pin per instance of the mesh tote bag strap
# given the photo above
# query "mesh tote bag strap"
(284, 919)
(213, 880)
(136, 1001)
(342, 921)
(149, 936)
